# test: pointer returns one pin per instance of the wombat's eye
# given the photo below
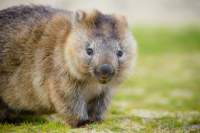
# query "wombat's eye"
(89, 51)
(119, 53)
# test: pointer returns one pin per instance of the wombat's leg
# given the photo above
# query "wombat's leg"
(73, 107)
(98, 106)
(5, 112)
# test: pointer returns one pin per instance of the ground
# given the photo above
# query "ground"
(163, 95)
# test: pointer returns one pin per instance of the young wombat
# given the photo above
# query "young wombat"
(56, 61)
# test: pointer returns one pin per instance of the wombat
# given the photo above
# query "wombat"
(58, 61)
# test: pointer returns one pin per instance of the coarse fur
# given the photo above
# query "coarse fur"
(44, 67)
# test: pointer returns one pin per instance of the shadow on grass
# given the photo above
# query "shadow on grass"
(28, 119)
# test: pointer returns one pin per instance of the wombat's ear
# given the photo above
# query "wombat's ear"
(88, 17)
(121, 20)
(80, 16)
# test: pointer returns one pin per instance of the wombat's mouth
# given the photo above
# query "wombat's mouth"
(104, 81)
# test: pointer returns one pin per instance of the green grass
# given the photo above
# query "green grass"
(159, 40)
(162, 96)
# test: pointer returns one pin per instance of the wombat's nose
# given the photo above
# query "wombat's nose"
(104, 73)
(105, 70)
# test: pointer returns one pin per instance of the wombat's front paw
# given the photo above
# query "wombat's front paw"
(82, 123)
(77, 122)
(95, 118)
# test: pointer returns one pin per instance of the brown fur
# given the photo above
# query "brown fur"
(41, 68)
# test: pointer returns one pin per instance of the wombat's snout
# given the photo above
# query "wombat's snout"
(104, 73)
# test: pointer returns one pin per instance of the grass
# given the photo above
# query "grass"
(162, 96)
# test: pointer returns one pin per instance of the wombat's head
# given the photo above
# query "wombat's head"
(100, 46)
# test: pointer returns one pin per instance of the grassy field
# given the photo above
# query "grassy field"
(162, 96)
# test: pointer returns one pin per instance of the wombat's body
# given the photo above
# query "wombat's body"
(44, 65)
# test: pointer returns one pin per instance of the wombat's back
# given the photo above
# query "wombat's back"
(16, 25)
(15, 19)
(28, 35)
(21, 28)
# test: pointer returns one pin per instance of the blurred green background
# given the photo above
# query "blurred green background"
(163, 94)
